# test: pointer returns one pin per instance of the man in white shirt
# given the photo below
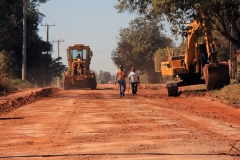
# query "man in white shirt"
(134, 80)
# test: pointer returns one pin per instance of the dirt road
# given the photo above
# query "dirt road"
(97, 124)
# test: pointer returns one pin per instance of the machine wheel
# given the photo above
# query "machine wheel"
(172, 88)
(93, 84)
(65, 84)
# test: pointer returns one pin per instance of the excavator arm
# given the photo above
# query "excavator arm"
(200, 60)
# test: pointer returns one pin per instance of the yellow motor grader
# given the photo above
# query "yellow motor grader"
(198, 65)
(79, 74)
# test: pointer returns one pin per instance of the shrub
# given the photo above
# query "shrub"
(10, 85)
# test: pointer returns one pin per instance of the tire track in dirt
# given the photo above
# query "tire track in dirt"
(97, 124)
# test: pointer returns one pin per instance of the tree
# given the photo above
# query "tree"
(104, 77)
(40, 67)
(159, 56)
(10, 26)
(137, 44)
(221, 14)
(11, 15)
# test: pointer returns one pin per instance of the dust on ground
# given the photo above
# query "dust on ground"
(97, 124)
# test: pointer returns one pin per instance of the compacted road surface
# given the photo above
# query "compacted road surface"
(97, 124)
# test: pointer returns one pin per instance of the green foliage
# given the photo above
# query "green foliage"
(9, 85)
(144, 78)
(41, 68)
(220, 14)
(21, 84)
(103, 77)
(159, 56)
(238, 67)
(229, 94)
(137, 44)
(11, 24)
(224, 50)
(4, 83)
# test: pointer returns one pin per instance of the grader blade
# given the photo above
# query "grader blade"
(216, 75)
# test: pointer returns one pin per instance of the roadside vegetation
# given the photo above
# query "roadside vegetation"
(12, 85)
(41, 67)
(229, 94)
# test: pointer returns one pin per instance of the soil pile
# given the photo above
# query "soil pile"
(8, 106)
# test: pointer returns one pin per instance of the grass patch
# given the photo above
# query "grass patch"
(11, 85)
(195, 90)
(21, 84)
(199, 87)
(151, 86)
(229, 94)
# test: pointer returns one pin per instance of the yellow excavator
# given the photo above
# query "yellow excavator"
(199, 63)
(79, 74)
(173, 66)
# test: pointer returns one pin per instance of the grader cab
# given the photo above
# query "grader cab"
(79, 74)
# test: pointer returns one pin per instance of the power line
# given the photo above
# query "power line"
(53, 22)
(58, 45)
(47, 25)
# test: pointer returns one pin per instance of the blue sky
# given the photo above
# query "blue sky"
(95, 23)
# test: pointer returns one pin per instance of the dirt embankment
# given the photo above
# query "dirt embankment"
(226, 97)
(9, 105)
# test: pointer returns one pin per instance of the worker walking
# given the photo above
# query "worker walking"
(134, 80)
(120, 79)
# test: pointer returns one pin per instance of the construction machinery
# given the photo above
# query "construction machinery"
(79, 74)
(172, 67)
(199, 63)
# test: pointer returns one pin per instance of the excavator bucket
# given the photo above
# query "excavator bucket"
(216, 75)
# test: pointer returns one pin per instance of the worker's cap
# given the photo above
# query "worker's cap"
(120, 66)
(133, 68)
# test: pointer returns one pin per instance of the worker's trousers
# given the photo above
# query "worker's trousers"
(121, 87)
(134, 87)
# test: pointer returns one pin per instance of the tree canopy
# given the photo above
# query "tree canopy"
(221, 14)
(40, 66)
(104, 77)
(137, 44)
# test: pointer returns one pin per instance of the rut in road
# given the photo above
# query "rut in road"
(96, 123)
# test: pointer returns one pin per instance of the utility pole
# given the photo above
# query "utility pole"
(58, 44)
(58, 41)
(47, 25)
(24, 41)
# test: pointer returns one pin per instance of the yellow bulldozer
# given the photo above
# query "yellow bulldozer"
(199, 63)
(79, 74)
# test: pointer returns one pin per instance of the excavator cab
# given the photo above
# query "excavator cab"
(173, 67)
